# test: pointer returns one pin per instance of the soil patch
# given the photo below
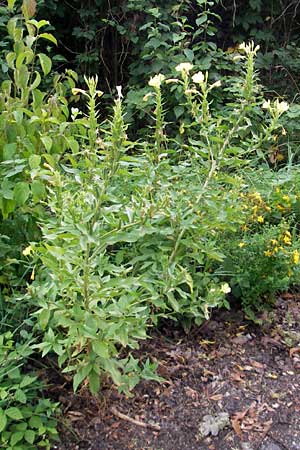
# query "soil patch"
(230, 385)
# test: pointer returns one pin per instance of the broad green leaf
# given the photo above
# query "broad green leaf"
(10, 59)
(49, 37)
(47, 141)
(3, 420)
(14, 374)
(189, 54)
(78, 379)
(44, 318)
(35, 422)
(94, 382)
(21, 193)
(101, 348)
(16, 437)
(34, 161)
(27, 380)
(46, 63)
(11, 26)
(36, 81)
(201, 20)
(14, 413)
(20, 396)
(38, 190)
(29, 436)
(9, 150)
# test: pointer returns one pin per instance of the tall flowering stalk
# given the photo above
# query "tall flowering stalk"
(155, 82)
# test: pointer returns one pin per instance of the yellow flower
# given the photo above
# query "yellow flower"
(286, 198)
(260, 219)
(296, 257)
(274, 242)
(257, 196)
(268, 253)
(242, 244)
(27, 251)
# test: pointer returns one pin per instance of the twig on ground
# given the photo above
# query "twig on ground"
(136, 422)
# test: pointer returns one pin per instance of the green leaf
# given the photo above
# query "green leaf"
(189, 54)
(3, 420)
(9, 150)
(38, 190)
(20, 396)
(35, 422)
(44, 318)
(94, 382)
(11, 4)
(49, 37)
(46, 63)
(78, 379)
(14, 374)
(10, 58)
(16, 437)
(14, 413)
(27, 380)
(34, 161)
(36, 82)
(202, 19)
(47, 141)
(21, 193)
(29, 436)
(178, 110)
(101, 348)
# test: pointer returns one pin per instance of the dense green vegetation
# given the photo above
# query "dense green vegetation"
(165, 198)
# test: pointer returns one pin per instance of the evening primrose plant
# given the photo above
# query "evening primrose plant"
(134, 231)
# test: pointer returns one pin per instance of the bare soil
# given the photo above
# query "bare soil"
(228, 365)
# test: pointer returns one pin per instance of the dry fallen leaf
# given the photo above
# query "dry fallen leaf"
(257, 365)
(237, 376)
(294, 350)
(237, 428)
(216, 397)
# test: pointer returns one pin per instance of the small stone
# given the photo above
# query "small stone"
(246, 446)
(270, 445)
(213, 424)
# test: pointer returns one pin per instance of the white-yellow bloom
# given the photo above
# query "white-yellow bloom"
(184, 67)
(76, 91)
(190, 91)
(249, 48)
(172, 80)
(281, 107)
(27, 251)
(266, 104)
(198, 78)
(216, 84)
(225, 288)
(156, 80)
(147, 96)
(119, 91)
